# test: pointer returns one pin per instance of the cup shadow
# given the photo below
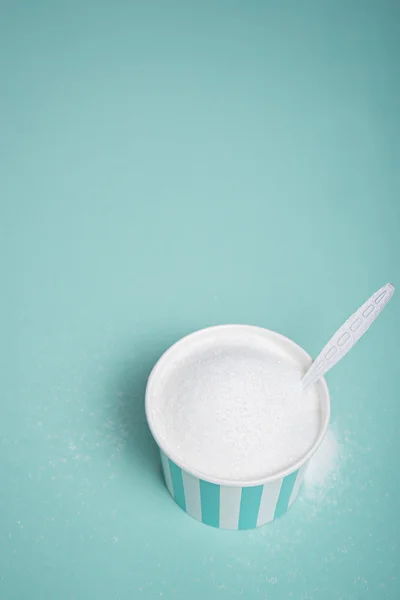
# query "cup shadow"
(126, 388)
(138, 448)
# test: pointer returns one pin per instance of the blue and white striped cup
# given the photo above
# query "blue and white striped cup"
(224, 503)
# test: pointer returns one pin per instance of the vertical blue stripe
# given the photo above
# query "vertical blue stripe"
(249, 506)
(177, 484)
(210, 499)
(285, 493)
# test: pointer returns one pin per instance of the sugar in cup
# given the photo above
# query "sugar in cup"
(231, 456)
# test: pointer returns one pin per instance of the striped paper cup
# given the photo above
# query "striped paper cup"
(224, 503)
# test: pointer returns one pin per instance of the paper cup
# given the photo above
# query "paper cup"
(224, 503)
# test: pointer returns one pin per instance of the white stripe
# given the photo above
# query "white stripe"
(229, 507)
(269, 500)
(191, 485)
(297, 484)
(167, 473)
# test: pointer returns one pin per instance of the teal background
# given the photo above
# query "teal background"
(166, 166)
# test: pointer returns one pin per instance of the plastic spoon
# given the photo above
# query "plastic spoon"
(349, 333)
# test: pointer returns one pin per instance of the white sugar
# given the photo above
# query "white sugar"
(235, 412)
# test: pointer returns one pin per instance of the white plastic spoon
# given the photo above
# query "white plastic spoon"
(349, 333)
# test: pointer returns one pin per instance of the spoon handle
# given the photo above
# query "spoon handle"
(349, 333)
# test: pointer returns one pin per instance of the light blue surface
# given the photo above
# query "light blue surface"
(165, 166)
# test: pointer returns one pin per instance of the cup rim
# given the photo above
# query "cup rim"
(187, 341)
